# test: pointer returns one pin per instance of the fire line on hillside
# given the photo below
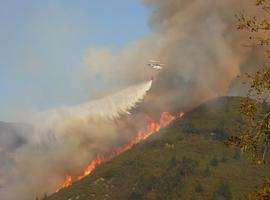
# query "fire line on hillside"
(152, 127)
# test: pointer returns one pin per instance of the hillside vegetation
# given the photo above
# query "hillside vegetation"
(188, 160)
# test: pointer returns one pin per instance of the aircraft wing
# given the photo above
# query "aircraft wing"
(154, 61)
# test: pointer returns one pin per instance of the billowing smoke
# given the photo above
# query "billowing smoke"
(196, 39)
(203, 53)
(64, 141)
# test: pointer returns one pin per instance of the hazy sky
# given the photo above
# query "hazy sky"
(43, 44)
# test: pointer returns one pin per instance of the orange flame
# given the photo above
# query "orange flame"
(152, 127)
(181, 114)
(66, 183)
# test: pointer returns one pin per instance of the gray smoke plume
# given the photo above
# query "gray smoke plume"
(196, 39)
(203, 53)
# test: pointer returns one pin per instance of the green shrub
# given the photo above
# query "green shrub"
(220, 133)
(206, 172)
(214, 161)
(111, 173)
(214, 196)
(223, 159)
(172, 162)
(199, 188)
(224, 189)
(135, 196)
(237, 155)
(187, 166)
(189, 127)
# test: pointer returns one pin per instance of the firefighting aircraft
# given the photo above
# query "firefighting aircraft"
(155, 64)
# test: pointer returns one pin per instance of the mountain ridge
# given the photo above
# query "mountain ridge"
(187, 160)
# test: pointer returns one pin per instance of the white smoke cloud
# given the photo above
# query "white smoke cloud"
(65, 140)
(96, 111)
